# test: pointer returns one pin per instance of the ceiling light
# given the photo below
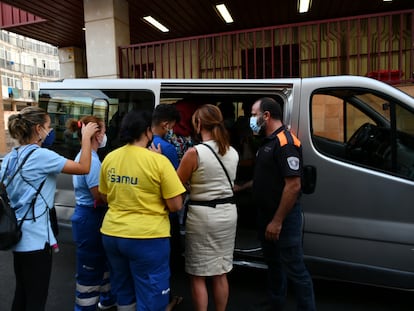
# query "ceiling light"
(387, 0)
(156, 23)
(225, 14)
(304, 5)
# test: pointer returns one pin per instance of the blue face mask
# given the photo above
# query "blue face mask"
(168, 136)
(254, 126)
(49, 139)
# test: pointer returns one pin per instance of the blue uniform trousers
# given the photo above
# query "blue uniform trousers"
(140, 272)
(92, 271)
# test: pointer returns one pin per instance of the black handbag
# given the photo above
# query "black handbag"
(10, 228)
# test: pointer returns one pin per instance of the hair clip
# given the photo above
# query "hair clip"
(79, 124)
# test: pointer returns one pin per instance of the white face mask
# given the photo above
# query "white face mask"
(103, 142)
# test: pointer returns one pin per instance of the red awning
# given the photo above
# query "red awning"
(11, 16)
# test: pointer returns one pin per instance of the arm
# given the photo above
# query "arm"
(84, 164)
(189, 163)
(104, 198)
(246, 185)
(97, 196)
(174, 204)
(289, 196)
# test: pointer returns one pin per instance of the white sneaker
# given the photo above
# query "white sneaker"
(102, 307)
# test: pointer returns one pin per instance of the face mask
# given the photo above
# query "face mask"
(150, 141)
(169, 134)
(254, 126)
(103, 142)
(49, 139)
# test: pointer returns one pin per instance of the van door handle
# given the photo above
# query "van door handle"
(309, 179)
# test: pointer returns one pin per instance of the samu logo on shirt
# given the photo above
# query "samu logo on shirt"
(121, 179)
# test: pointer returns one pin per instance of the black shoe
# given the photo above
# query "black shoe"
(263, 306)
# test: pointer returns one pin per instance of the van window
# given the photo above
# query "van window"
(365, 129)
(110, 105)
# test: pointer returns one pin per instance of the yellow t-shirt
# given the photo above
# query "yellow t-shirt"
(136, 182)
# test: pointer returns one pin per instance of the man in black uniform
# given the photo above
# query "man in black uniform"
(276, 190)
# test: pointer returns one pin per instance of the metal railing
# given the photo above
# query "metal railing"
(380, 46)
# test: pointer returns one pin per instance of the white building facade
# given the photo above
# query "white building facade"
(24, 63)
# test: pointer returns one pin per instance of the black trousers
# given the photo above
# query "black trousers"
(32, 271)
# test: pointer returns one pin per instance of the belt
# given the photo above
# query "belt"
(213, 203)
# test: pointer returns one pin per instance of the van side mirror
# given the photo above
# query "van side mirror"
(309, 179)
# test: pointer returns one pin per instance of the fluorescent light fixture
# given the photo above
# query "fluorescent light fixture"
(387, 0)
(225, 14)
(304, 5)
(156, 23)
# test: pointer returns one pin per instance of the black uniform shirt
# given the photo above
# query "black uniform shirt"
(279, 156)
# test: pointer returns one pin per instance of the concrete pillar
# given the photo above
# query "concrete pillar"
(107, 27)
(72, 62)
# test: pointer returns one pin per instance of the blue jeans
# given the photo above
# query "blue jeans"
(285, 260)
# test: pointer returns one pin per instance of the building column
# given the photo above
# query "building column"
(106, 28)
(72, 63)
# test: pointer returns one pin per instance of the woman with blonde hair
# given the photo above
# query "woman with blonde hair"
(31, 192)
(209, 168)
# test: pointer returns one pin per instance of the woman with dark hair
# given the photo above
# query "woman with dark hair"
(210, 169)
(141, 188)
(92, 272)
(36, 180)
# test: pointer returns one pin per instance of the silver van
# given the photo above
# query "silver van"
(358, 146)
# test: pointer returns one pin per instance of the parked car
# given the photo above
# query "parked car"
(358, 146)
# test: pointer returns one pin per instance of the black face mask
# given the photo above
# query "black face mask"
(150, 140)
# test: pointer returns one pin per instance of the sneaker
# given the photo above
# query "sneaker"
(109, 308)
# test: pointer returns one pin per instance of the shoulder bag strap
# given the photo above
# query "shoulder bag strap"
(14, 174)
(20, 166)
(32, 204)
(221, 163)
(4, 174)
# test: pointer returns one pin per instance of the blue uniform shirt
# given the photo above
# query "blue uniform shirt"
(42, 164)
(82, 183)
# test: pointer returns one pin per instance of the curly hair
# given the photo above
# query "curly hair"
(134, 124)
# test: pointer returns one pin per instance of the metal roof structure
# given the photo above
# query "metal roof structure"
(61, 23)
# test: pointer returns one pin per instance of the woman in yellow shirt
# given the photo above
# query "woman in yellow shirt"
(141, 188)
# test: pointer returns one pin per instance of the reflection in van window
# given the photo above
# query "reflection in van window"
(364, 129)
(110, 105)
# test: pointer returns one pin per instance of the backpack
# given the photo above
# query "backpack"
(10, 228)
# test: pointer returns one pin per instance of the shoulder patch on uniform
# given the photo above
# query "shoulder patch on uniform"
(293, 163)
